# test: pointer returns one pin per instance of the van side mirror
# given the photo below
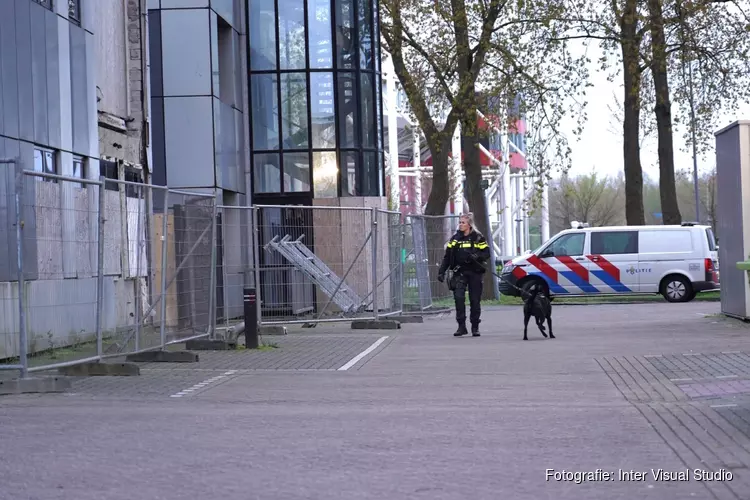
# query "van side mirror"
(547, 253)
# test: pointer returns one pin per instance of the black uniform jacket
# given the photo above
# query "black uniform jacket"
(460, 249)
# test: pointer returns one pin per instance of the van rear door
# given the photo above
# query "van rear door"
(713, 251)
(664, 251)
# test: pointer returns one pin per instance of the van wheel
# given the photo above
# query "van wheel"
(677, 288)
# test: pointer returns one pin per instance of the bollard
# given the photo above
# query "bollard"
(251, 319)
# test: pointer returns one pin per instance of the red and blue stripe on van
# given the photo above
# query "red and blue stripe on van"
(577, 274)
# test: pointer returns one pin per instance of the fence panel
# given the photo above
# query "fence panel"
(58, 307)
(235, 261)
(426, 237)
(188, 286)
(315, 263)
(390, 286)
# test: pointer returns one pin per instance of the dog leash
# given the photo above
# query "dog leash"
(497, 276)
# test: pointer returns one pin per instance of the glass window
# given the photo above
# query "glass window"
(378, 115)
(614, 242)
(655, 241)
(267, 174)
(319, 26)
(325, 174)
(370, 175)
(711, 239)
(79, 169)
(349, 175)
(323, 117)
(365, 34)
(292, 34)
(348, 115)
(296, 172)
(345, 36)
(294, 127)
(376, 29)
(74, 11)
(45, 3)
(367, 98)
(568, 244)
(262, 37)
(265, 111)
(45, 161)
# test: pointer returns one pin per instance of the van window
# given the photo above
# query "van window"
(711, 239)
(568, 244)
(614, 242)
(655, 241)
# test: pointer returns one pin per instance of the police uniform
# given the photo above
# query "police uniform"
(464, 254)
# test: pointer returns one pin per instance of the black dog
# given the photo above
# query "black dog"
(538, 305)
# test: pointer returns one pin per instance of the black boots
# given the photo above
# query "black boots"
(462, 331)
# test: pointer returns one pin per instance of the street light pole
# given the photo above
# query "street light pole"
(695, 148)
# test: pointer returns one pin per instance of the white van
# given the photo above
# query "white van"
(675, 261)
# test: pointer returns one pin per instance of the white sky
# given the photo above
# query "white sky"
(600, 146)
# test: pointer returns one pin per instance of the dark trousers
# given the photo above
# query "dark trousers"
(473, 282)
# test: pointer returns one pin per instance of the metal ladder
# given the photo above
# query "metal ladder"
(318, 272)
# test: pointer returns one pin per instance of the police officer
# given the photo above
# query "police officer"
(465, 253)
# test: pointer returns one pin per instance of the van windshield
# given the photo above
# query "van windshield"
(711, 239)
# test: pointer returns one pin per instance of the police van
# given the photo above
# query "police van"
(675, 261)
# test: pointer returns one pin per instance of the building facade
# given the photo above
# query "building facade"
(251, 101)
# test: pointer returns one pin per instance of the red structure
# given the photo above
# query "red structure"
(490, 140)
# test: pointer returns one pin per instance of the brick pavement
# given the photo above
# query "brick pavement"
(297, 352)
(427, 416)
(690, 399)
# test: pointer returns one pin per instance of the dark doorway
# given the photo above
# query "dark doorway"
(285, 290)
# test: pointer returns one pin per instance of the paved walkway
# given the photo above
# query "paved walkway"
(423, 415)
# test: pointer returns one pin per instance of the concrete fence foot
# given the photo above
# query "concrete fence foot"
(163, 357)
(372, 324)
(210, 345)
(101, 370)
(272, 330)
(407, 319)
(34, 385)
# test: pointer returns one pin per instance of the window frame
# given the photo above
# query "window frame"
(47, 4)
(74, 11)
(84, 169)
(55, 163)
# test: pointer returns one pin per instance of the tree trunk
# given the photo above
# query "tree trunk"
(667, 189)
(475, 193)
(630, 45)
(435, 227)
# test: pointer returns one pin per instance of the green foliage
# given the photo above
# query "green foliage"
(442, 51)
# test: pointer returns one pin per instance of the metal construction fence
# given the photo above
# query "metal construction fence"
(96, 269)
(102, 268)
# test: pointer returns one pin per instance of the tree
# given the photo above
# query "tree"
(620, 28)
(445, 51)
(586, 198)
(709, 63)
(663, 114)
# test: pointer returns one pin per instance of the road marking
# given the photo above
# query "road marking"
(727, 376)
(680, 379)
(723, 406)
(362, 354)
(653, 356)
(691, 354)
(730, 352)
(186, 392)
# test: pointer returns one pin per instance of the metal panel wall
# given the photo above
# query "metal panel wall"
(733, 211)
